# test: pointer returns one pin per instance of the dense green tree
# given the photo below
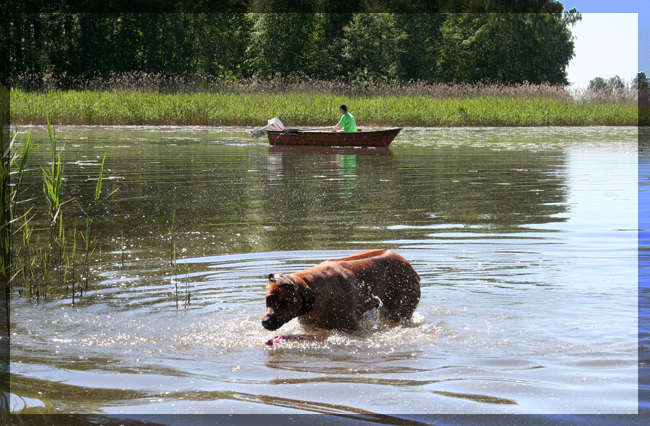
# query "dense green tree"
(419, 48)
(643, 86)
(506, 48)
(27, 50)
(54, 38)
(371, 48)
(406, 6)
(614, 83)
(328, 44)
(465, 47)
(84, 46)
(282, 44)
(500, 6)
(598, 83)
(222, 39)
(639, 82)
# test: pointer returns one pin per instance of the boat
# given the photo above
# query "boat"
(330, 150)
(369, 138)
(279, 135)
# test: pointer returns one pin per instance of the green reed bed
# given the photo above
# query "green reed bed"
(419, 111)
(310, 109)
(46, 252)
(40, 259)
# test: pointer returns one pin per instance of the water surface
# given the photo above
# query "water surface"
(525, 241)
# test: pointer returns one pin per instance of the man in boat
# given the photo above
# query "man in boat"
(346, 123)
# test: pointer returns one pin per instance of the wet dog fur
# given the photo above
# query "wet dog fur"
(336, 293)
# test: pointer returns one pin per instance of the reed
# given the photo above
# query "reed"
(39, 265)
(6, 236)
(72, 260)
(187, 285)
(43, 260)
(52, 182)
(28, 269)
(173, 261)
(164, 83)
(459, 106)
(9, 199)
(91, 217)
(122, 246)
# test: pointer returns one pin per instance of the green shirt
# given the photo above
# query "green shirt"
(348, 123)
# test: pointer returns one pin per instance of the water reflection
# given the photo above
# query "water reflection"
(259, 198)
(325, 150)
(419, 188)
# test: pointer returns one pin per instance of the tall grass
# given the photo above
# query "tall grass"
(173, 260)
(314, 109)
(174, 84)
(91, 217)
(161, 99)
(43, 260)
(12, 164)
(52, 181)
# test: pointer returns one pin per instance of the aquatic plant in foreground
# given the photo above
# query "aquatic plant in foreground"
(91, 216)
(9, 199)
(45, 266)
(173, 261)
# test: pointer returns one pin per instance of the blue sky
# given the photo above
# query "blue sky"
(612, 39)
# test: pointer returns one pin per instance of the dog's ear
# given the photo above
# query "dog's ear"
(279, 279)
(282, 279)
(308, 300)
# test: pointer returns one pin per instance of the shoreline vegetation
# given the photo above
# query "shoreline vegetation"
(47, 253)
(154, 99)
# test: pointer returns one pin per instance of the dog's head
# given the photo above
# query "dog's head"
(285, 300)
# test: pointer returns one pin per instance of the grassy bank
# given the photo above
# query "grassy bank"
(125, 107)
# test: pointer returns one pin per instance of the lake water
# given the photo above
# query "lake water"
(525, 241)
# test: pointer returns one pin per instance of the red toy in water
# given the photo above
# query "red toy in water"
(293, 337)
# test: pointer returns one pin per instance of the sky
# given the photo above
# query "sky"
(606, 45)
(613, 38)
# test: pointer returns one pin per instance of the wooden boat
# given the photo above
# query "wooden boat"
(372, 138)
(330, 150)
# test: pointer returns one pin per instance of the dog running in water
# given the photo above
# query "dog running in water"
(336, 293)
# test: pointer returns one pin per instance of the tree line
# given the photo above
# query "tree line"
(617, 83)
(490, 48)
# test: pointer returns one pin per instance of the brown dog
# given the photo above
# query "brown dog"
(335, 293)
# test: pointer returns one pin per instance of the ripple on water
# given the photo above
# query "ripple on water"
(525, 244)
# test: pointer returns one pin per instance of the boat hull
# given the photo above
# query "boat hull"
(330, 150)
(375, 138)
